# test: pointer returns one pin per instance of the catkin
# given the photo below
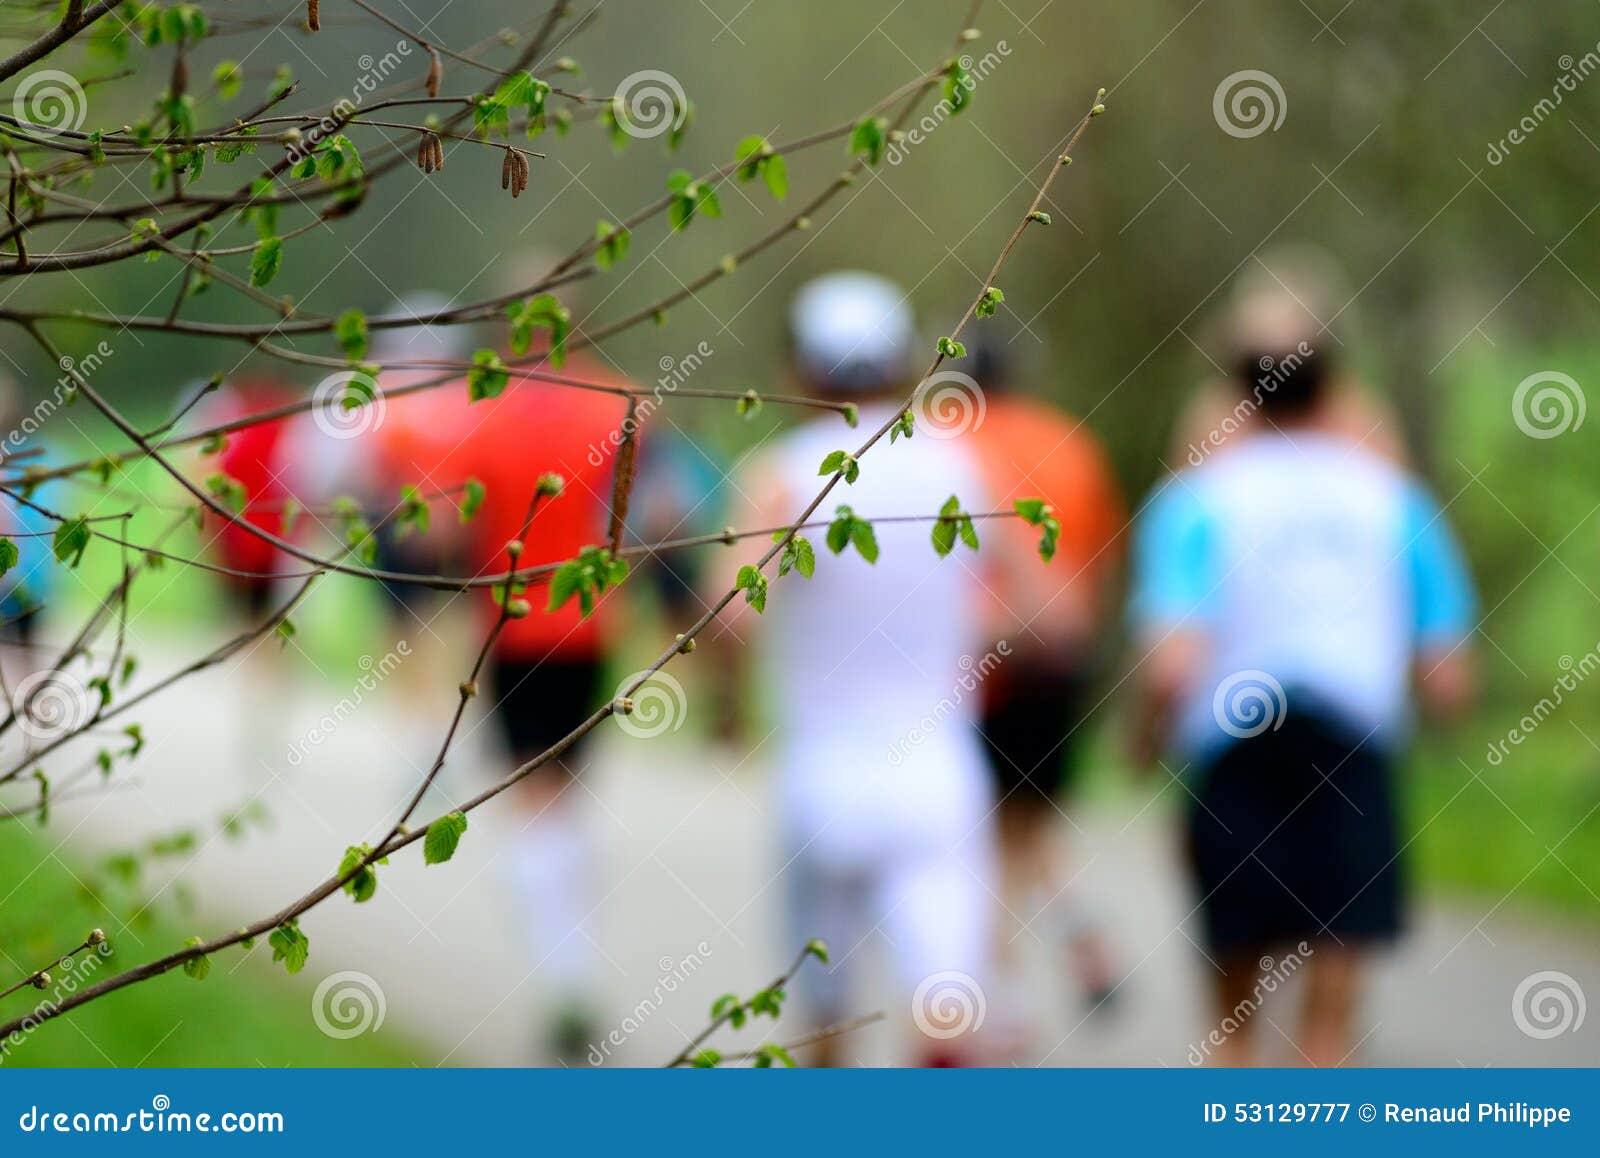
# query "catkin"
(506, 169)
(435, 72)
(438, 151)
(313, 17)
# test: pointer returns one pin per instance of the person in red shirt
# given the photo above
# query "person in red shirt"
(545, 671)
(1035, 704)
(258, 458)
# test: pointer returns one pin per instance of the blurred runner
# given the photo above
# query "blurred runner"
(1055, 620)
(546, 671)
(1289, 591)
(418, 432)
(260, 459)
(26, 584)
(884, 797)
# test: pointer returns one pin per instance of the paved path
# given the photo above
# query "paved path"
(690, 863)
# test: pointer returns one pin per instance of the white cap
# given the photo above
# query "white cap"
(853, 331)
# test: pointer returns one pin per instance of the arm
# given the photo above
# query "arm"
(1444, 608)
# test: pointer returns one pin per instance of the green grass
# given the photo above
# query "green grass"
(245, 1013)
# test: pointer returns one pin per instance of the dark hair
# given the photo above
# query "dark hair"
(1284, 385)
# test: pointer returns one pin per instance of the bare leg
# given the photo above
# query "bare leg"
(1235, 996)
(1333, 984)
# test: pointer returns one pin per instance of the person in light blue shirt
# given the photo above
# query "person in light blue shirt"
(1294, 593)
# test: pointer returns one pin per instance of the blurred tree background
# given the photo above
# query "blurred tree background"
(1464, 276)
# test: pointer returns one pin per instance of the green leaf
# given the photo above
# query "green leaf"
(290, 945)
(351, 332)
(775, 172)
(1040, 216)
(364, 883)
(772, 1054)
(266, 260)
(613, 248)
(869, 137)
(866, 542)
(196, 967)
(488, 376)
(958, 85)
(754, 585)
(226, 77)
(833, 462)
(992, 297)
(542, 312)
(8, 555)
(472, 496)
(1031, 510)
(798, 555)
(443, 836)
(818, 948)
(71, 540)
(706, 1059)
(904, 425)
(950, 348)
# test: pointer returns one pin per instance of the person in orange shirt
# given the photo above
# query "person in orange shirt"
(1036, 702)
(545, 671)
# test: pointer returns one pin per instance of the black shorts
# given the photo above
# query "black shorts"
(1293, 836)
(537, 703)
(1030, 735)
